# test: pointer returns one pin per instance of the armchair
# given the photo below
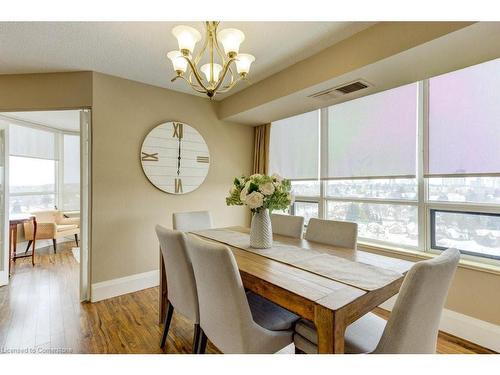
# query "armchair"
(52, 225)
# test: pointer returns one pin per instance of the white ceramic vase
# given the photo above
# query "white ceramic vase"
(261, 232)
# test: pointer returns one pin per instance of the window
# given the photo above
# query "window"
(465, 189)
(306, 209)
(463, 162)
(389, 188)
(471, 232)
(386, 223)
(417, 166)
(464, 118)
(31, 191)
(300, 134)
(306, 188)
(44, 170)
(374, 136)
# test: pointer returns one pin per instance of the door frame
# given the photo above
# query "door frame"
(85, 201)
(4, 150)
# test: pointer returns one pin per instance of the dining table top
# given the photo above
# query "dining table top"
(20, 218)
(332, 294)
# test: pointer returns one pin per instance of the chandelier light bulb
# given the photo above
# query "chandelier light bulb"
(231, 40)
(179, 63)
(206, 70)
(187, 37)
(243, 62)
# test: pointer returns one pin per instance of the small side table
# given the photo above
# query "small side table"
(14, 221)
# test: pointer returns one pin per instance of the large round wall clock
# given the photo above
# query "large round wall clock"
(175, 157)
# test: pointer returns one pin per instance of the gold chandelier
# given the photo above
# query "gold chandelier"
(218, 73)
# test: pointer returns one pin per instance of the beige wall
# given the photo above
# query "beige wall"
(125, 205)
(25, 92)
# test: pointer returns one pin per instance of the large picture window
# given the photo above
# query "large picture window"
(416, 167)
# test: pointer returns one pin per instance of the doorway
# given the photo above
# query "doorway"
(45, 194)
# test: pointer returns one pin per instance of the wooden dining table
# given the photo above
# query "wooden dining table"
(331, 304)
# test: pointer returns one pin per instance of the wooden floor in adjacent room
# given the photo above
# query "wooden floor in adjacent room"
(40, 312)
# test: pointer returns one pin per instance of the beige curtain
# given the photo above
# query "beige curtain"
(262, 135)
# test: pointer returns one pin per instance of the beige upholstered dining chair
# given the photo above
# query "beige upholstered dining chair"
(226, 315)
(52, 225)
(181, 285)
(413, 325)
(191, 221)
(331, 232)
(287, 225)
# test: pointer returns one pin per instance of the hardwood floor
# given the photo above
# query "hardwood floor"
(40, 311)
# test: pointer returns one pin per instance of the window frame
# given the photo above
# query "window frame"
(432, 223)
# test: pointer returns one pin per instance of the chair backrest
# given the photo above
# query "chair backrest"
(47, 216)
(287, 225)
(181, 285)
(414, 322)
(191, 221)
(331, 232)
(225, 315)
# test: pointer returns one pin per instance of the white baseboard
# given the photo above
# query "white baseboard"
(124, 285)
(466, 327)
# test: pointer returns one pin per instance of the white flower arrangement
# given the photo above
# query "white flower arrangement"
(260, 191)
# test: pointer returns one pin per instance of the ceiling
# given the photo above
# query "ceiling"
(137, 50)
(62, 120)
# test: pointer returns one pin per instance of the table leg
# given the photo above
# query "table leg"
(163, 294)
(10, 246)
(34, 242)
(14, 241)
(331, 328)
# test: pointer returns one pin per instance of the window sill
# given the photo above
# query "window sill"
(421, 255)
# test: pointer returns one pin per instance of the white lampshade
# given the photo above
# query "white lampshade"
(243, 62)
(231, 40)
(206, 70)
(179, 63)
(187, 37)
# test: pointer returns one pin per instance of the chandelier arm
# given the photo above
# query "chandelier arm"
(196, 75)
(193, 86)
(231, 75)
(224, 72)
(230, 86)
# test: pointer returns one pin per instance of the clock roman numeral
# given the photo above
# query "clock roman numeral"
(178, 130)
(178, 185)
(149, 157)
(202, 159)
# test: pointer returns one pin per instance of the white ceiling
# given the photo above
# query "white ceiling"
(62, 120)
(137, 50)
